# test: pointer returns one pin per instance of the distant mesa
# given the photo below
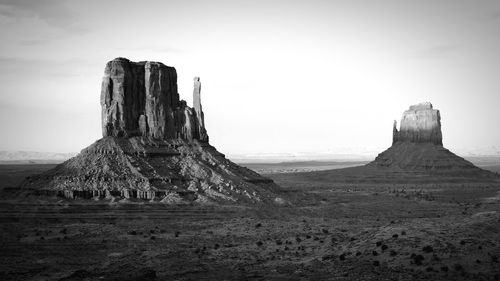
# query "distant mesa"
(154, 147)
(418, 146)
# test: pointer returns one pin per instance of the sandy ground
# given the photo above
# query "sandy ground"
(371, 228)
(491, 164)
(303, 166)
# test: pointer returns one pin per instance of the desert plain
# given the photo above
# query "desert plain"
(344, 224)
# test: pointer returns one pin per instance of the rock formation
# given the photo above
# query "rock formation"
(154, 147)
(141, 99)
(200, 118)
(420, 124)
(418, 145)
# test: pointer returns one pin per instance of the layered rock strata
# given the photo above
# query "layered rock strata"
(168, 170)
(154, 147)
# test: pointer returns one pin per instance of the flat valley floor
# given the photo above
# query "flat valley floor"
(348, 224)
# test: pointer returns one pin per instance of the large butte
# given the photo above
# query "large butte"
(154, 147)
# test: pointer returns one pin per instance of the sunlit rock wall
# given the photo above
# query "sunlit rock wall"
(419, 124)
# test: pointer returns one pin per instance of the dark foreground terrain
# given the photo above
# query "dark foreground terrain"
(349, 224)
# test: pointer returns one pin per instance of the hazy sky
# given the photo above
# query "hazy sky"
(277, 76)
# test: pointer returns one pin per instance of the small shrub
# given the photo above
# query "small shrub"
(428, 249)
(328, 257)
(418, 259)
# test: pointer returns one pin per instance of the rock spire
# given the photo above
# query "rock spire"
(200, 118)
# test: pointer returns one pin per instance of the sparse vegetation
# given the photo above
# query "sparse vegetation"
(334, 239)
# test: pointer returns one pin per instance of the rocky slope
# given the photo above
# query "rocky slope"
(169, 170)
(154, 147)
(418, 145)
(425, 157)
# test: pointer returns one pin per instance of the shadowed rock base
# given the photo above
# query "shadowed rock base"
(426, 157)
(171, 171)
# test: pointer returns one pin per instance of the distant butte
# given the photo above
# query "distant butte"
(420, 124)
(154, 147)
(418, 146)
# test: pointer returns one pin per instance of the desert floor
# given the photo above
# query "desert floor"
(348, 224)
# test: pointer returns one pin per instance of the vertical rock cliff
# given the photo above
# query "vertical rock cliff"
(141, 99)
(419, 124)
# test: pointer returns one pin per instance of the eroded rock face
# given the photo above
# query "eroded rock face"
(141, 99)
(419, 124)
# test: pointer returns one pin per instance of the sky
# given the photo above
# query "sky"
(278, 77)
